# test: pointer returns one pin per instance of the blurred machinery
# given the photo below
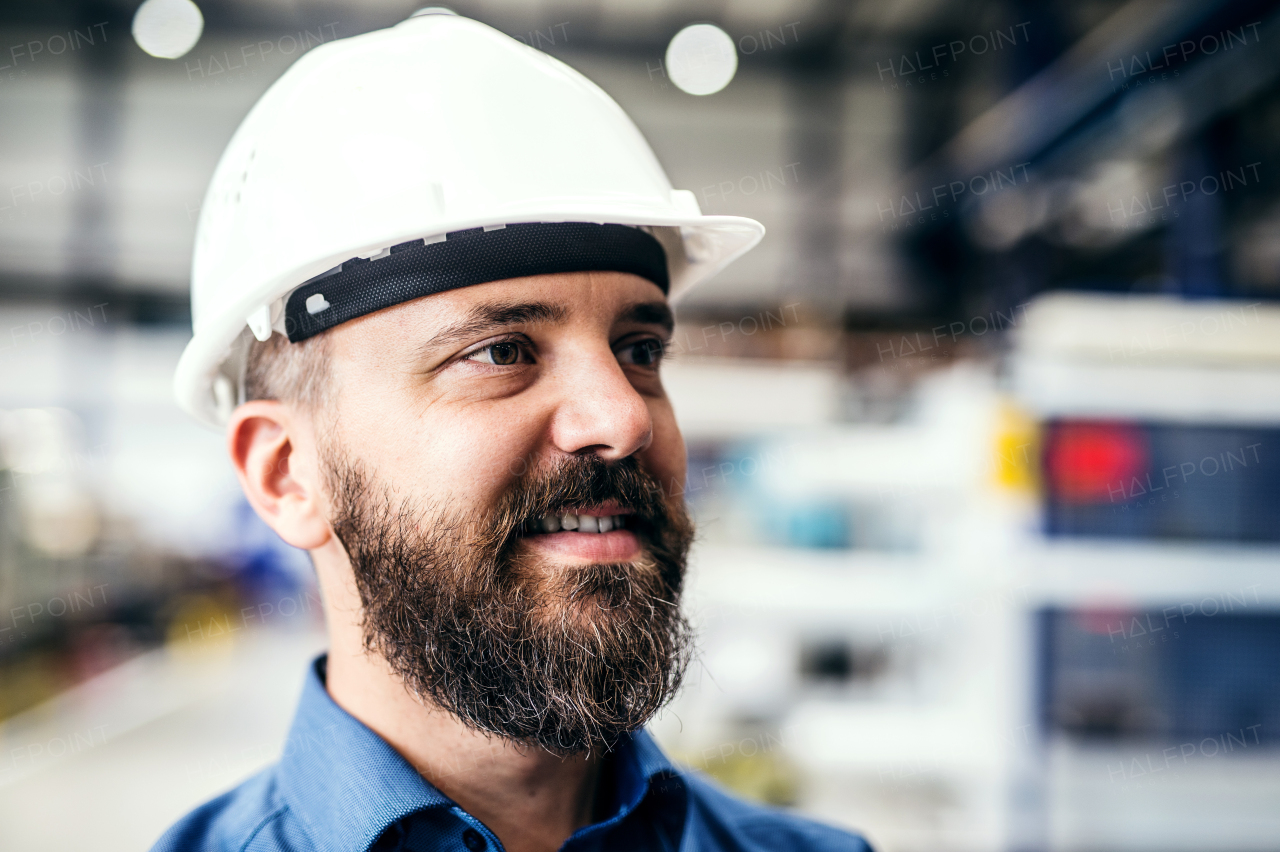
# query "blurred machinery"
(116, 532)
(1039, 609)
(1156, 587)
(960, 594)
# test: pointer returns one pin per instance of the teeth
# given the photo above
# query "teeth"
(580, 523)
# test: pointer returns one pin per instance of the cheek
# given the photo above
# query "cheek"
(488, 447)
(665, 456)
(464, 456)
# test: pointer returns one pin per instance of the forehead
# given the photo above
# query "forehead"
(582, 297)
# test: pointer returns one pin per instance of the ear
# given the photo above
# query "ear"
(272, 449)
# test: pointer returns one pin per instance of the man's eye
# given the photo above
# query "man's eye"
(643, 353)
(502, 354)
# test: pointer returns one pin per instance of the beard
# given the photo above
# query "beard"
(563, 657)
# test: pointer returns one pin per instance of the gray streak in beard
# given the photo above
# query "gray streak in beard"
(563, 657)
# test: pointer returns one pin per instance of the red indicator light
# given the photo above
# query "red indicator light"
(1094, 462)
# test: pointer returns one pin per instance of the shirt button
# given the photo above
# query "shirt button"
(472, 840)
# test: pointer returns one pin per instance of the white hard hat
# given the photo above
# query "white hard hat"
(395, 139)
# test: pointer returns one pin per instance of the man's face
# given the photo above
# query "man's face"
(467, 426)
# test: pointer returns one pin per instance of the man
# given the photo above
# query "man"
(458, 299)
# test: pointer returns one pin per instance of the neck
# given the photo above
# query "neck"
(531, 799)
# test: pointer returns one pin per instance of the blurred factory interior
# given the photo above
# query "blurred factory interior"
(983, 437)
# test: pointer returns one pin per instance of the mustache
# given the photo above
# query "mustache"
(582, 482)
(563, 657)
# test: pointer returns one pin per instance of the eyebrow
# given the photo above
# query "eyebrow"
(492, 317)
(488, 318)
(650, 313)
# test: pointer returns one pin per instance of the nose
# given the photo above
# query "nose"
(598, 409)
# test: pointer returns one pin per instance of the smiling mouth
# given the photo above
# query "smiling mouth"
(608, 532)
(585, 521)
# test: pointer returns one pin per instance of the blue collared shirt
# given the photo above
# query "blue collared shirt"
(339, 787)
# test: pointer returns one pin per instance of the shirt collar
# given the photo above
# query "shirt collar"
(349, 785)
(638, 762)
(343, 780)
(642, 776)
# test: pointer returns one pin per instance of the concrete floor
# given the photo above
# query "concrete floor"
(111, 764)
